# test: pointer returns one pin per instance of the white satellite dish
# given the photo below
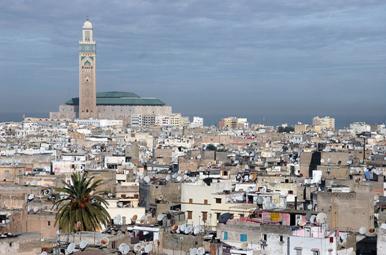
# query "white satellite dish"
(148, 248)
(201, 251)
(124, 248)
(362, 230)
(193, 251)
(70, 248)
(137, 247)
(197, 229)
(179, 178)
(182, 227)
(36, 209)
(83, 244)
(175, 175)
(30, 197)
(188, 229)
(44, 253)
(146, 179)
(309, 207)
(118, 220)
(161, 216)
(313, 219)
(168, 177)
(321, 218)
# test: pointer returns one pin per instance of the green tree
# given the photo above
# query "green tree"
(81, 207)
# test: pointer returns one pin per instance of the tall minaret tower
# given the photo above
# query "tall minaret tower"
(87, 78)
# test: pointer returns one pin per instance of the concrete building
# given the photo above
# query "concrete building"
(323, 123)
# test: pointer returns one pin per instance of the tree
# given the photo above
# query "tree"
(81, 207)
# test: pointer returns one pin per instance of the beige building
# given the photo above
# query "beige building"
(323, 123)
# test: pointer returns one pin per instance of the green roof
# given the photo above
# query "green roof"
(119, 98)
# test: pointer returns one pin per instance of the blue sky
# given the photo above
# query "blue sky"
(209, 57)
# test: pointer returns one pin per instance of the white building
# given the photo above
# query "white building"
(359, 127)
(197, 122)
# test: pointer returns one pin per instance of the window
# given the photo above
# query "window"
(243, 238)
(298, 250)
(241, 215)
(190, 213)
(205, 201)
(225, 173)
(49, 223)
(218, 200)
(225, 235)
(265, 237)
(218, 216)
(281, 239)
(190, 201)
(204, 216)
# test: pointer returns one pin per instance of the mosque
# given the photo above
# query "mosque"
(104, 105)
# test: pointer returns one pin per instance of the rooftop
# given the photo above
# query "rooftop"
(120, 98)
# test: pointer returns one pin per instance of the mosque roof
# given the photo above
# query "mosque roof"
(120, 98)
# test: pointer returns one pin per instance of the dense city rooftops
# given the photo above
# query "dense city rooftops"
(120, 98)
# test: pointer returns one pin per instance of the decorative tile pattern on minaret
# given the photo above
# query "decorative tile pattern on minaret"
(87, 74)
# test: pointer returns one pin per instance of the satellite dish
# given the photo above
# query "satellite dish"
(362, 230)
(146, 179)
(161, 216)
(259, 200)
(168, 177)
(321, 218)
(309, 207)
(182, 228)
(193, 251)
(201, 251)
(30, 197)
(137, 247)
(70, 248)
(44, 253)
(83, 244)
(124, 248)
(148, 248)
(197, 229)
(175, 175)
(188, 229)
(47, 192)
(179, 178)
(117, 220)
(36, 209)
(313, 219)
(104, 241)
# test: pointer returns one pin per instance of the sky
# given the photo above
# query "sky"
(282, 60)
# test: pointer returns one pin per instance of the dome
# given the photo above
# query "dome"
(87, 24)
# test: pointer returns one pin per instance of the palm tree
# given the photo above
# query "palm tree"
(82, 208)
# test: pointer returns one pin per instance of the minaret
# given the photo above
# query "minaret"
(87, 77)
